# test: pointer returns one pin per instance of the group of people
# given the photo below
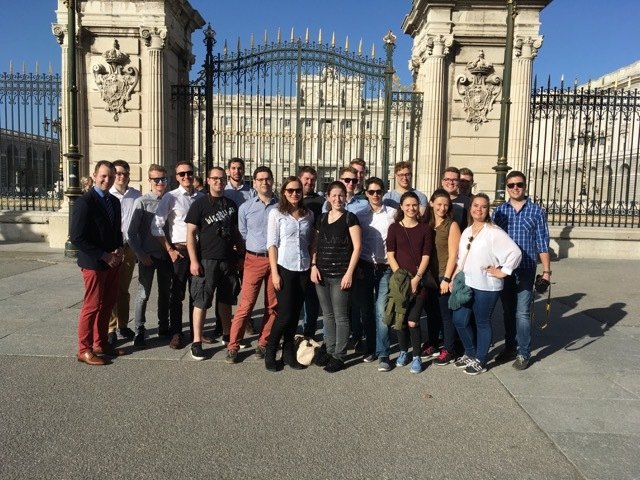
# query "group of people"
(371, 260)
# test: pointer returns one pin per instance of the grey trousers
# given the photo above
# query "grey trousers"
(334, 303)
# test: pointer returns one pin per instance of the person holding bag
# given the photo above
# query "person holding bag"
(486, 255)
(408, 247)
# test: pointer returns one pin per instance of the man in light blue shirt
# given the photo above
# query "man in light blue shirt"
(404, 173)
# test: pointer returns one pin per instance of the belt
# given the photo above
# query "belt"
(256, 254)
(180, 246)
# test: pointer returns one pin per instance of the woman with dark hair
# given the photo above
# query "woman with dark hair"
(486, 255)
(336, 253)
(442, 264)
(289, 239)
(408, 248)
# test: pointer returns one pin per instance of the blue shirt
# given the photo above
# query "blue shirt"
(355, 205)
(527, 228)
(392, 198)
(253, 217)
(239, 195)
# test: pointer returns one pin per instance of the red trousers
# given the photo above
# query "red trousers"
(256, 272)
(100, 293)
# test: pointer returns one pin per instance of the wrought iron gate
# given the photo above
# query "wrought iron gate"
(290, 103)
(30, 162)
(584, 155)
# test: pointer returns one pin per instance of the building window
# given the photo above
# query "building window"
(286, 122)
(227, 121)
(347, 124)
(267, 122)
(367, 124)
(307, 123)
(247, 122)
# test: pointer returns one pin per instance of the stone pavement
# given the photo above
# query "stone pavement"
(575, 413)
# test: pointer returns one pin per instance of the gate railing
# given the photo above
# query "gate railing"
(584, 151)
(30, 162)
(290, 103)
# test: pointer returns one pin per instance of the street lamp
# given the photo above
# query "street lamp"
(587, 139)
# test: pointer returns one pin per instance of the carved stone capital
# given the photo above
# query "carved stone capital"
(438, 45)
(479, 89)
(59, 31)
(154, 37)
(527, 47)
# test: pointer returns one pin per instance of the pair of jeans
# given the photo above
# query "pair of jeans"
(439, 318)
(290, 299)
(163, 271)
(363, 301)
(181, 276)
(517, 299)
(334, 302)
(482, 305)
(381, 292)
(412, 335)
(257, 272)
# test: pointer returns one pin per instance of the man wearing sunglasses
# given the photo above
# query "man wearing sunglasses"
(526, 224)
(152, 258)
(171, 230)
(349, 176)
(127, 196)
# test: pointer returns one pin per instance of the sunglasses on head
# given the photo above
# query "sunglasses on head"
(516, 184)
(374, 192)
(349, 180)
(159, 180)
(188, 173)
(291, 191)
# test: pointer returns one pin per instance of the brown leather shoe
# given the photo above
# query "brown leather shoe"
(176, 341)
(90, 358)
(110, 351)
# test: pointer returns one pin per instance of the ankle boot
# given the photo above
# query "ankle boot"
(289, 356)
(270, 359)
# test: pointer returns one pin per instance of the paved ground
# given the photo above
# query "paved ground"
(575, 413)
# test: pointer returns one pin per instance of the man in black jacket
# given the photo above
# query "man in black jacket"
(96, 233)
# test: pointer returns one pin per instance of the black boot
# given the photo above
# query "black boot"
(270, 359)
(322, 357)
(289, 356)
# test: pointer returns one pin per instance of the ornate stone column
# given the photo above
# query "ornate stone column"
(432, 80)
(154, 38)
(524, 51)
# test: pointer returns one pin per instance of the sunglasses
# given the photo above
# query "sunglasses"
(349, 180)
(159, 180)
(515, 185)
(188, 173)
(374, 192)
(291, 191)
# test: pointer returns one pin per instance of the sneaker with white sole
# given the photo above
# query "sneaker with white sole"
(521, 363)
(403, 359)
(445, 358)
(463, 361)
(384, 365)
(475, 368)
(196, 351)
(416, 365)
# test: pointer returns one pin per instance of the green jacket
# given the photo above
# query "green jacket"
(398, 298)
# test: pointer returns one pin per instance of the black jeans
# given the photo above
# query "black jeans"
(290, 300)
(181, 276)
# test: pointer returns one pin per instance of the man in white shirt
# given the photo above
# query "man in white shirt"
(127, 196)
(171, 230)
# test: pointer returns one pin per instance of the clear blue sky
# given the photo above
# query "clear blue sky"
(583, 38)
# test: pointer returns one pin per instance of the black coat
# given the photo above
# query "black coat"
(92, 232)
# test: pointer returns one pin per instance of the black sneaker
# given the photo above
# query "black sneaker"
(126, 332)
(138, 340)
(196, 351)
(475, 368)
(370, 358)
(334, 365)
(260, 351)
(113, 338)
(445, 358)
(232, 356)
(506, 355)
(226, 339)
(521, 363)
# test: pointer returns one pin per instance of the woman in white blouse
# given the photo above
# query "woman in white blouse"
(289, 238)
(486, 255)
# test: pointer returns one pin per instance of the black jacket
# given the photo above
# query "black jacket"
(92, 232)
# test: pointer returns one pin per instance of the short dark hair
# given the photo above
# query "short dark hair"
(121, 163)
(402, 165)
(154, 167)
(262, 169)
(216, 168)
(516, 173)
(103, 163)
(358, 161)
(349, 169)
(184, 162)
(452, 170)
(235, 160)
(307, 169)
(466, 171)
(370, 181)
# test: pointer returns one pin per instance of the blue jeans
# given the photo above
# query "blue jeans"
(482, 306)
(363, 302)
(335, 313)
(311, 312)
(381, 288)
(164, 271)
(517, 297)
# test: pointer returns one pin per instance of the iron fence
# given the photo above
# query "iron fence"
(290, 103)
(584, 153)
(30, 160)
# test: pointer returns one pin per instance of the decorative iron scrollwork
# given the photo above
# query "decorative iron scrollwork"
(117, 84)
(479, 92)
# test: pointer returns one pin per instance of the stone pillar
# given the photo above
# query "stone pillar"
(461, 89)
(525, 49)
(431, 156)
(156, 99)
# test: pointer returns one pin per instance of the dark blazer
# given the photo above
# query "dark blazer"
(92, 232)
